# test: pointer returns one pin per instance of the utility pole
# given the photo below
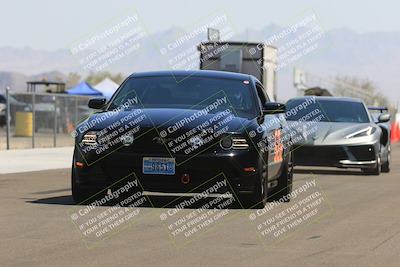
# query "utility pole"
(8, 116)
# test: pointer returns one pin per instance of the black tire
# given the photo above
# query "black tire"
(376, 170)
(260, 198)
(386, 166)
(285, 182)
(79, 194)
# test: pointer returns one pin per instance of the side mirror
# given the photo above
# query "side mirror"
(273, 108)
(384, 118)
(97, 103)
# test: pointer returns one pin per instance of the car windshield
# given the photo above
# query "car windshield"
(326, 110)
(188, 93)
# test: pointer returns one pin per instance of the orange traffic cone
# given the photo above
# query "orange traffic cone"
(395, 130)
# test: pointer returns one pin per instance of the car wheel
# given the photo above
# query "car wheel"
(285, 182)
(260, 199)
(386, 166)
(376, 170)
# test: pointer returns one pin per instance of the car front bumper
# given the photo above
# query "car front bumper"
(204, 170)
(342, 156)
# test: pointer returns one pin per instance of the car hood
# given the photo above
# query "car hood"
(330, 133)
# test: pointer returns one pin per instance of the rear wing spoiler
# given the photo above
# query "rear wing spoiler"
(381, 109)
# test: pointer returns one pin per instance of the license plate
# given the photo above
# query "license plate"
(164, 166)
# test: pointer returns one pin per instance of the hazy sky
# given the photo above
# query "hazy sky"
(54, 24)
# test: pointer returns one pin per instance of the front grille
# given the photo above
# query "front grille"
(146, 141)
(332, 154)
(149, 142)
(362, 153)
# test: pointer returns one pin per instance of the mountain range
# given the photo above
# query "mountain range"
(372, 55)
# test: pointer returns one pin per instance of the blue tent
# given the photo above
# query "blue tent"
(83, 89)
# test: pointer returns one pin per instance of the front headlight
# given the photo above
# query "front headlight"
(233, 143)
(363, 132)
(90, 138)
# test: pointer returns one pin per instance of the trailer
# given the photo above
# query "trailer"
(257, 59)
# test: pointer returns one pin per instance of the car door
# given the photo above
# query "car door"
(272, 135)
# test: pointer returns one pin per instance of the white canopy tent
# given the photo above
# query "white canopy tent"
(107, 87)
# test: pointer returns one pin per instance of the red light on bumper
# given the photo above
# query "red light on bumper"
(249, 169)
(79, 164)
(185, 178)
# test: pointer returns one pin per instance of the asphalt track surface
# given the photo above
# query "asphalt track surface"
(358, 224)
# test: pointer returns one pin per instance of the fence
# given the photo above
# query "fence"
(40, 120)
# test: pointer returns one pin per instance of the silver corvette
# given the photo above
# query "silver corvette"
(336, 132)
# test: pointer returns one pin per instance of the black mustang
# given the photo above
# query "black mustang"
(177, 130)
